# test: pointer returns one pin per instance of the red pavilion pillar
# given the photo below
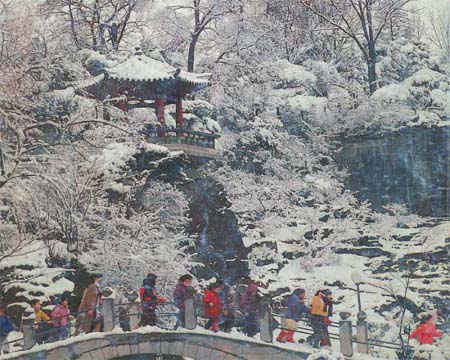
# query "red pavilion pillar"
(180, 121)
(159, 107)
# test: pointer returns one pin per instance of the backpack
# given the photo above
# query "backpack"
(149, 297)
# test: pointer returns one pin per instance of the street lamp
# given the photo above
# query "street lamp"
(356, 278)
(361, 325)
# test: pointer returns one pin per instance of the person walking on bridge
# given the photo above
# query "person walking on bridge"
(149, 300)
(88, 310)
(213, 307)
(296, 309)
(249, 303)
(426, 332)
(183, 291)
(60, 319)
(319, 314)
(42, 321)
(6, 326)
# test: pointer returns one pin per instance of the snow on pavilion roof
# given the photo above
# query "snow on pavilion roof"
(142, 68)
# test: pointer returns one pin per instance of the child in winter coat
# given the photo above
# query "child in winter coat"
(213, 307)
(296, 308)
(426, 332)
(42, 321)
(60, 319)
(6, 326)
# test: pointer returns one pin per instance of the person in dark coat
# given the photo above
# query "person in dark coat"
(329, 309)
(6, 326)
(321, 310)
(149, 300)
(182, 292)
(296, 310)
(249, 303)
(227, 317)
(212, 307)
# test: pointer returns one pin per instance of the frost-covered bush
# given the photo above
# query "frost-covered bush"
(57, 105)
(403, 216)
(400, 58)
(200, 108)
(425, 92)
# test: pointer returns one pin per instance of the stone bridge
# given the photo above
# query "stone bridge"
(158, 345)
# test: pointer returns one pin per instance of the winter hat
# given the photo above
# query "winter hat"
(150, 280)
(298, 292)
(96, 276)
(185, 277)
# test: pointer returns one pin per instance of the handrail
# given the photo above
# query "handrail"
(165, 312)
(181, 131)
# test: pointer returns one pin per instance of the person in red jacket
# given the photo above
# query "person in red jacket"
(149, 300)
(426, 332)
(213, 307)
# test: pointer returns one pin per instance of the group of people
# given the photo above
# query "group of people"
(222, 308)
(58, 321)
(57, 326)
(318, 314)
(217, 303)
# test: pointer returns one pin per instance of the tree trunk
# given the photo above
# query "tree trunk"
(93, 37)
(371, 70)
(72, 26)
(2, 165)
(191, 54)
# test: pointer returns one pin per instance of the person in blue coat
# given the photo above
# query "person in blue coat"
(6, 326)
(296, 311)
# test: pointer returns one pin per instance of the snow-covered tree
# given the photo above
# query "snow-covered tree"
(363, 21)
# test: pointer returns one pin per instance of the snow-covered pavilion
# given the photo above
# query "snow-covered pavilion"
(141, 81)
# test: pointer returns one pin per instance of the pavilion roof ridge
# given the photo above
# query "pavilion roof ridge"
(140, 67)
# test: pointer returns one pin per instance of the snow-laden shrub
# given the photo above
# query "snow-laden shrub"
(402, 214)
(425, 92)
(200, 108)
(57, 105)
(294, 76)
(400, 58)
(326, 75)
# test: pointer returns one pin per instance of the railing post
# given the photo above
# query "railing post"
(29, 331)
(362, 333)
(265, 321)
(135, 315)
(108, 314)
(190, 315)
(345, 335)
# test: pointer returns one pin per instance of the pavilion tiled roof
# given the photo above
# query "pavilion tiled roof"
(143, 68)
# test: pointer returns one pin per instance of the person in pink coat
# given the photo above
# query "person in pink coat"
(60, 319)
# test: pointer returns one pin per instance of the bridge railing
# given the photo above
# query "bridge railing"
(130, 314)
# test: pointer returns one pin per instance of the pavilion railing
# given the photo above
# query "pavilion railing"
(181, 136)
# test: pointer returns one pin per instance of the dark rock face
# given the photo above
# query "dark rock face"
(220, 246)
(370, 252)
(410, 167)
